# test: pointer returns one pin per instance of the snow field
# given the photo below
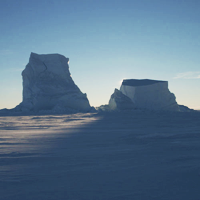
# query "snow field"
(141, 155)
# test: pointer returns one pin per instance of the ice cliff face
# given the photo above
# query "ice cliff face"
(119, 101)
(47, 85)
(149, 94)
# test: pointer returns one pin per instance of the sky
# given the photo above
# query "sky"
(106, 41)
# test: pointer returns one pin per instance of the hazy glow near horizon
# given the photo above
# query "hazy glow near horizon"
(105, 41)
(121, 81)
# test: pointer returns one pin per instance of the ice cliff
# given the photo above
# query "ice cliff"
(48, 85)
(119, 101)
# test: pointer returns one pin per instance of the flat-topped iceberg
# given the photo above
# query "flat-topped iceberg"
(149, 94)
(143, 94)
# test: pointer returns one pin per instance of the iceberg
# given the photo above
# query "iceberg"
(149, 94)
(48, 86)
(143, 94)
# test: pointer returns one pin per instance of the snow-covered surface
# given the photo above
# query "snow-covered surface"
(110, 156)
(150, 94)
(47, 85)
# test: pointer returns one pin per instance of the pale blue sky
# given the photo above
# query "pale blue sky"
(106, 41)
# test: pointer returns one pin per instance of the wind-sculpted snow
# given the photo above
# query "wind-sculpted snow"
(140, 155)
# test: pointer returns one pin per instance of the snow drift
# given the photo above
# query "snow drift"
(111, 156)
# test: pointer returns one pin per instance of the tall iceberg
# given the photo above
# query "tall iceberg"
(48, 85)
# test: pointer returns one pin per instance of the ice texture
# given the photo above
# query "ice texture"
(48, 85)
(119, 101)
(150, 94)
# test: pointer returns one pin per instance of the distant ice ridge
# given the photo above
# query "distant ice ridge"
(143, 94)
(48, 86)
